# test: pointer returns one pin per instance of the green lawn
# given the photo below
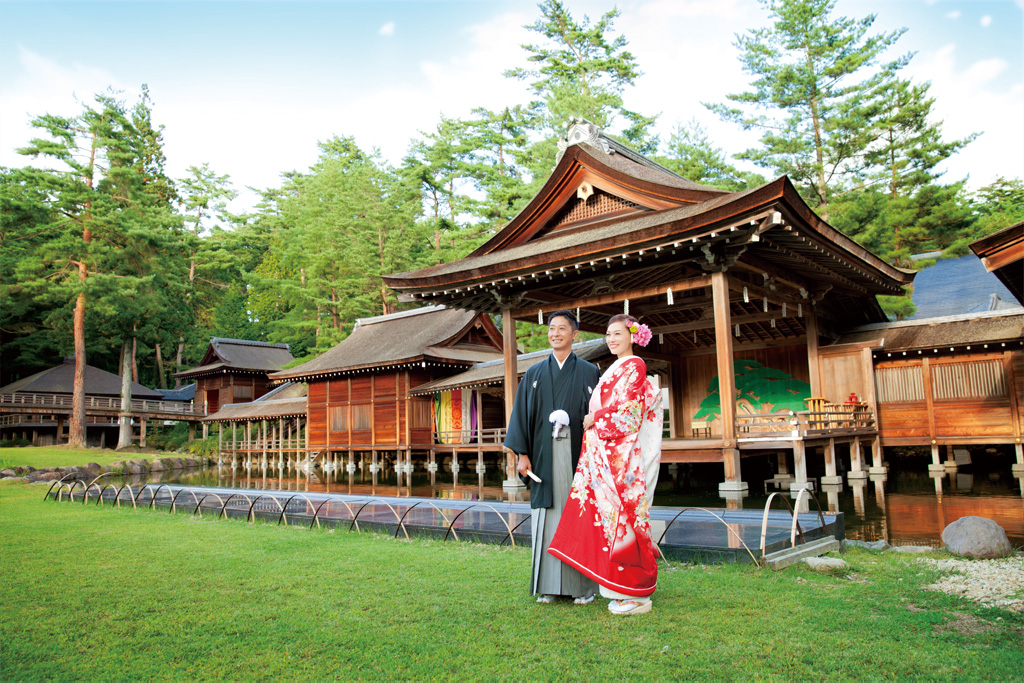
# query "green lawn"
(62, 456)
(101, 593)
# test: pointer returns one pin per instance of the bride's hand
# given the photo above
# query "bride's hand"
(588, 421)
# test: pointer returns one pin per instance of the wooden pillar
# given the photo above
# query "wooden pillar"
(726, 382)
(877, 465)
(280, 438)
(508, 335)
(857, 470)
(191, 432)
(220, 443)
(799, 467)
(831, 474)
(60, 429)
(142, 432)
(813, 365)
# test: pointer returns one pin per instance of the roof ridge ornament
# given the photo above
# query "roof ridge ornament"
(581, 130)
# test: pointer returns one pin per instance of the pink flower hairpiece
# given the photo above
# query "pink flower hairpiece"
(640, 334)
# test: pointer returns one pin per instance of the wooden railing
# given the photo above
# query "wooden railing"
(473, 437)
(834, 420)
(22, 419)
(64, 403)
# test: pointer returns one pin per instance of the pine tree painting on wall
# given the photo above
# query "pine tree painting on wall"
(759, 390)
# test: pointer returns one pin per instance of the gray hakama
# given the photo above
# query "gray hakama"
(550, 576)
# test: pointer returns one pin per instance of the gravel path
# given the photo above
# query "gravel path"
(993, 583)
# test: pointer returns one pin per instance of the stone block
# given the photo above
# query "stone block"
(867, 545)
(976, 537)
(912, 549)
(826, 565)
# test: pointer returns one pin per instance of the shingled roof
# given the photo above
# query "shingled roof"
(959, 286)
(61, 380)
(240, 355)
(1002, 253)
(493, 372)
(997, 329)
(432, 335)
(287, 400)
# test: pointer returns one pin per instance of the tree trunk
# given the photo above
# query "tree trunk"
(124, 432)
(135, 363)
(177, 362)
(160, 368)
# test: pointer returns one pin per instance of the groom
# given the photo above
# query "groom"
(562, 382)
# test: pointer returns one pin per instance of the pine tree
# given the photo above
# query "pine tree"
(815, 76)
(691, 154)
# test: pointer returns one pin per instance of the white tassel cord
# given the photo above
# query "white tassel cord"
(540, 317)
(671, 301)
(625, 306)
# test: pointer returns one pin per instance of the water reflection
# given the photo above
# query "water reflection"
(904, 507)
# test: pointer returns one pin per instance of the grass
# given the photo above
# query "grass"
(100, 593)
(63, 456)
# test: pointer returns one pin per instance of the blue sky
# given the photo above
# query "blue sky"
(250, 87)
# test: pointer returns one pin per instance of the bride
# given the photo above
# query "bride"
(605, 528)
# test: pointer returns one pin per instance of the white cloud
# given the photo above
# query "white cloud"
(387, 29)
(986, 21)
(968, 101)
(955, 14)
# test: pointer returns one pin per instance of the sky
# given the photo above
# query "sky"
(251, 87)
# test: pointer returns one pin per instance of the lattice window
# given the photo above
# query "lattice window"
(972, 379)
(338, 421)
(596, 205)
(900, 384)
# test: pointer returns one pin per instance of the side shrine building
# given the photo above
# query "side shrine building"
(235, 371)
(742, 290)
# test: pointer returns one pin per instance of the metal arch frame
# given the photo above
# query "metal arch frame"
(200, 503)
(764, 521)
(377, 500)
(93, 483)
(59, 481)
(131, 495)
(174, 500)
(221, 515)
(796, 516)
(476, 505)
(417, 504)
(726, 524)
(99, 498)
(250, 517)
(71, 489)
(282, 516)
(510, 536)
(152, 501)
(144, 487)
(316, 513)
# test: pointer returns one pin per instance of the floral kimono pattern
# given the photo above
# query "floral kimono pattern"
(605, 528)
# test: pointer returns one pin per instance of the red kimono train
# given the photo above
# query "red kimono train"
(605, 528)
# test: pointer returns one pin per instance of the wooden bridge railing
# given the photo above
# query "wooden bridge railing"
(466, 437)
(63, 402)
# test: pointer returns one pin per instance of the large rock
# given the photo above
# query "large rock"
(93, 467)
(913, 549)
(976, 537)
(8, 473)
(157, 465)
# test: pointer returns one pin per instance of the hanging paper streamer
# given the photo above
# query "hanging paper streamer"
(737, 329)
(773, 323)
(540, 317)
(625, 306)
(746, 296)
(800, 310)
(671, 301)
(577, 314)
(661, 339)
(783, 309)
(694, 336)
(766, 304)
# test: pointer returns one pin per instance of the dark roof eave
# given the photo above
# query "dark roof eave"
(406, 362)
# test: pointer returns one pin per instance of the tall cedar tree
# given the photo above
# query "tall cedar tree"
(815, 77)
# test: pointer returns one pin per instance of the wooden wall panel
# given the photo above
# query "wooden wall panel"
(317, 393)
(904, 420)
(385, 386)
(973, 418)
(385, 417)
(842, 375)
(317, 423)
(361, 387)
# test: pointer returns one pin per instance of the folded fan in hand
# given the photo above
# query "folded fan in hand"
(559, 418)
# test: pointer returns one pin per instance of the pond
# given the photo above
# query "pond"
(907, 507)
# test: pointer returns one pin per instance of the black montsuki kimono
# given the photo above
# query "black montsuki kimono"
(544, 389)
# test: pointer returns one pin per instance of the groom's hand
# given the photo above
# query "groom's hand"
(523, 465)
